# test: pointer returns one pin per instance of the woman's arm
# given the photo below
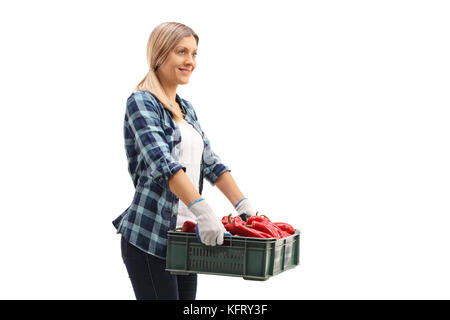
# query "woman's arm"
(229, 188)
(182, 187)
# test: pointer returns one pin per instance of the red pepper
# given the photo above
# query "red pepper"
(225, 219)
(267, 227)
(286, 234)
(188, 226)
(281, 232)
(237, 227)
(229, 219)
(261, 218)
(232, 223)
(237, 219)
(244, 231)
(285, 227)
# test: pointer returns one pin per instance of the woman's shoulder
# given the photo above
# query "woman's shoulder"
(139, 99)
(143, 95)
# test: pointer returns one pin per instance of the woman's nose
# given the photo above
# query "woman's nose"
(190, 62)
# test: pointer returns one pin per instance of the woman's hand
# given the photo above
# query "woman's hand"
(244, 209)
(210, 228)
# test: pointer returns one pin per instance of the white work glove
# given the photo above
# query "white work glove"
(244, 208)
(210, 228)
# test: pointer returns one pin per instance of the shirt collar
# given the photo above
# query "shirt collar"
(181, 103)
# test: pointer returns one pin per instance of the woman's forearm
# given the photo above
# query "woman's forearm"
(183, 188)
(229, 188)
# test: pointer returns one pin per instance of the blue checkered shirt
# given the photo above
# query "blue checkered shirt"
(152, 142)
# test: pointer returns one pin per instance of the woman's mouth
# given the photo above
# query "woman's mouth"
(184, 71)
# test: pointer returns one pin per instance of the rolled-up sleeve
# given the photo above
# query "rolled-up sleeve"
(144, 121)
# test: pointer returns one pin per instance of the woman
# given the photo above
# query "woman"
(163, 135)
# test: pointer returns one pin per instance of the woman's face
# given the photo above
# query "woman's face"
(181, 57)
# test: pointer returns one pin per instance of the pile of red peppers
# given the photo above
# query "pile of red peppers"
(258, 226)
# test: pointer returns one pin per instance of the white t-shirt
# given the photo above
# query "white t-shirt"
(191, 151)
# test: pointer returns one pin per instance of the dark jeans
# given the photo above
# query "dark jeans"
(151, 281)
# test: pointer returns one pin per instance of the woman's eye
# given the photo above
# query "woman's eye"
(182, 51)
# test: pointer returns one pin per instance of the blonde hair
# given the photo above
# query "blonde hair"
(161, 42)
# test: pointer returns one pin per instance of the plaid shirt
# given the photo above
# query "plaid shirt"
(152, 142)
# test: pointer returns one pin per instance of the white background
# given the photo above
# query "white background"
(332, 115)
